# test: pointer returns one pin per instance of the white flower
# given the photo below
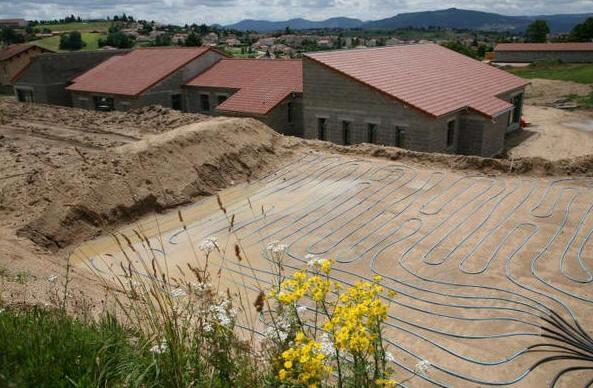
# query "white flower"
(160, 348)
(276, 248)
(389, 357)
(327, 346)
(301, 309)
(422, 367)
(1, 311)
(52, 278)
(208, 328)
(279, 330)
(178, 292)
(209, 244)
(223, 313)
(201, 287)
(315, 261)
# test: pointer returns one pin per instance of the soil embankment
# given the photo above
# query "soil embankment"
(159, 172)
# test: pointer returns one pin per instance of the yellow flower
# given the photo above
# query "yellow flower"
(304, 362)
(377, 278)
(385, 383)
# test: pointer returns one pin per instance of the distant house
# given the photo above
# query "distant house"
(421, 97)
(14, 23)
(145, 76)
(266, 89)
(45, 79)
(232, 42)
(532, 52)
(210, 39)
(13, 59)
(179, 38)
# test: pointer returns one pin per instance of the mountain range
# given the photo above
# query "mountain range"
(449, 18)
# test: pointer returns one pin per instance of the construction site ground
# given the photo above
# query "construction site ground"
(481, 252)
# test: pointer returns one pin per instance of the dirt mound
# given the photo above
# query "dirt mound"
(545, 91)
(146, 120)
(162, 171)
(581, 166)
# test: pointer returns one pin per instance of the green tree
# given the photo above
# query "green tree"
(118, 39)
(460, 48)
(162, 40)
(10, 36)
(537, 32)
(72, 41)
(193, 40)
(582, 32)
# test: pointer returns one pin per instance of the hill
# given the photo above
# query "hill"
(475, 20)
(450, 18)
(295, 24)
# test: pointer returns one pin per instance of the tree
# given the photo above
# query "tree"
(10, 36)
(193, 40)
(162, 40)
(72, 41)
(118, 39)
(537, 32)
(460, 48)
(582, 32)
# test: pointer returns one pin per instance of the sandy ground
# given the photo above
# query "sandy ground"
(457, 249)
(545, 91)
(440, 228)
(554, 134)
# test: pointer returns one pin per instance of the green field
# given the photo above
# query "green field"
(91, 26)
(581, 73)
(53, 43)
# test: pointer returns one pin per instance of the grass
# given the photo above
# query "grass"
(43, 348)
(581, 73)
(82, 27)
(53, 43)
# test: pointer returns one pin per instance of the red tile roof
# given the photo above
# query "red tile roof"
(429, 77)
(133, 73)
(262, 84)
(14, 50)
(587, 46)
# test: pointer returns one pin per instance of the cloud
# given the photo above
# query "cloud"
(229, 11)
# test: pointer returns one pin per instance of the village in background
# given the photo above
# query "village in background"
(281, 39)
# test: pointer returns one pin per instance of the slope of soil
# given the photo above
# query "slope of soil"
(159, 172)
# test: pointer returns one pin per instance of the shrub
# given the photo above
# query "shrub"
(72, 41)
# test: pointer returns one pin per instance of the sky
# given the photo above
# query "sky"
(231, 11)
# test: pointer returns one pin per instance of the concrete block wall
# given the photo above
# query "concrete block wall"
(159, 94)
(49, 74)
(335, 97)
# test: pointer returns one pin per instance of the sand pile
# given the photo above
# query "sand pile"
(102, 189)
(151, 119)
